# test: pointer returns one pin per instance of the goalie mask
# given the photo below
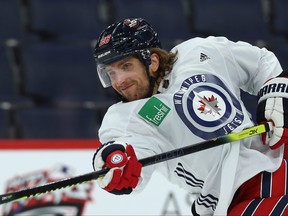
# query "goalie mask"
(122, 39)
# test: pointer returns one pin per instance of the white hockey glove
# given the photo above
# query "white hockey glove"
(272, 107)
(125, 169)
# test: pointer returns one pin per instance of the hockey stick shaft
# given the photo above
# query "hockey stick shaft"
(32, 192)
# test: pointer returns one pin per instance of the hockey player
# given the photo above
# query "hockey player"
(190, 94)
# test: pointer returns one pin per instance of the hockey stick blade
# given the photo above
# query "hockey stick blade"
(69, 182)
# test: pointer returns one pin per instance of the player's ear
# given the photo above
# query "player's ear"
(153, 67)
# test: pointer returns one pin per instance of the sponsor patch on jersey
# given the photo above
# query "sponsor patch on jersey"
(154, 111)
(207, 107)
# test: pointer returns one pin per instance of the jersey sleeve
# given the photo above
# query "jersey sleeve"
(121, 124)
(254, 65)
(243, 65)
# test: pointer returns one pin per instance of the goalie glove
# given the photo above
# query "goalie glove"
(125, 169)
(272, 107)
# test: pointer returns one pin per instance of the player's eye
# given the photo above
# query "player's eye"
(126, 66)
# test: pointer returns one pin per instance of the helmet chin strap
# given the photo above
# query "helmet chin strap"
(152, 82)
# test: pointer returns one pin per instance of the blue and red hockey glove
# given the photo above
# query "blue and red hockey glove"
(125, 169)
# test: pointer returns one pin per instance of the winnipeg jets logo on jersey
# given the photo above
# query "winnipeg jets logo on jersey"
(207, 107)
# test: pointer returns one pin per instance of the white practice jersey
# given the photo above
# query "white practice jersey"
(201, 102)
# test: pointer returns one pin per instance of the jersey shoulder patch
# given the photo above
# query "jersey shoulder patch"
(207, 106)
(154, 111)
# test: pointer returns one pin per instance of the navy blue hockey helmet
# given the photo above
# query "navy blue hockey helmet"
(132, 36)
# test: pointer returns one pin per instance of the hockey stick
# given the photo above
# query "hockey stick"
(31, 192)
